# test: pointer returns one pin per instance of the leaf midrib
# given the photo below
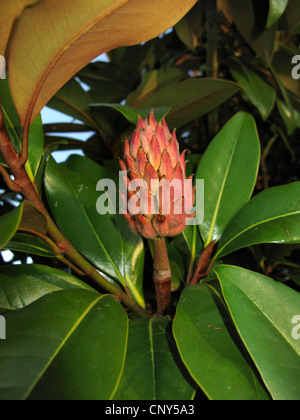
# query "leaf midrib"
(97, 236)
(199, 334)
(152, 356)
(265, 315)
(55, 59)
(209, 239)
(198, 99)
(252, 227)
(64, 341)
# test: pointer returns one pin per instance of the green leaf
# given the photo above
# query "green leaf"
(286, 109)
(105, 240)
(9, 224)
(191, 240)
(273, 216)
(229, 168)
(207, 344)
(251, 23)
(177, 266)
(35, 146)
(58, 348)
(263, 311)
(108, 81)
(22, 285)
(259, 92)
(151, 371)
(289, 115)
(191, 99)
(281, 68)
(73, 100)
(293, 15)
(132, 114)
(14, 129)
(33, 219)
(153, 81)
(277, 9)
(30, 245)
(190, 28)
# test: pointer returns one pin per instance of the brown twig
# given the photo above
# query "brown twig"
(16, 164)
(23, 158)
(203, 267)
(9, 182)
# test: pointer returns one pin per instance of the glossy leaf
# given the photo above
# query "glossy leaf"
(263, 311)
(9, 224)
(277, 9)
(207, 344)
(193, 240)
(74, 39)
(30, 245)
(189, 244)
(293, 15)
(250, 22)
(259, 92)
(286, 109)
(108, 81)
(73, 100)
(190, 28)
(132, 114)
(153, 81)
(105, 240)
(22, 285)
(151, 371)
(191, 99)
(289, 115)
(229, 180)
(272, 216)
(60, 345)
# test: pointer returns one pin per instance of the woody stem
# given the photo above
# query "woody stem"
(203, 266)
(162, 276)
(23, 184)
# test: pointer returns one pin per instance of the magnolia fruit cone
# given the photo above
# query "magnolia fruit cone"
(152, 155)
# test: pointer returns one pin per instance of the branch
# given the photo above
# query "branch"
(23, 158)
(25, 186)
(9, 182)
(203, 268)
